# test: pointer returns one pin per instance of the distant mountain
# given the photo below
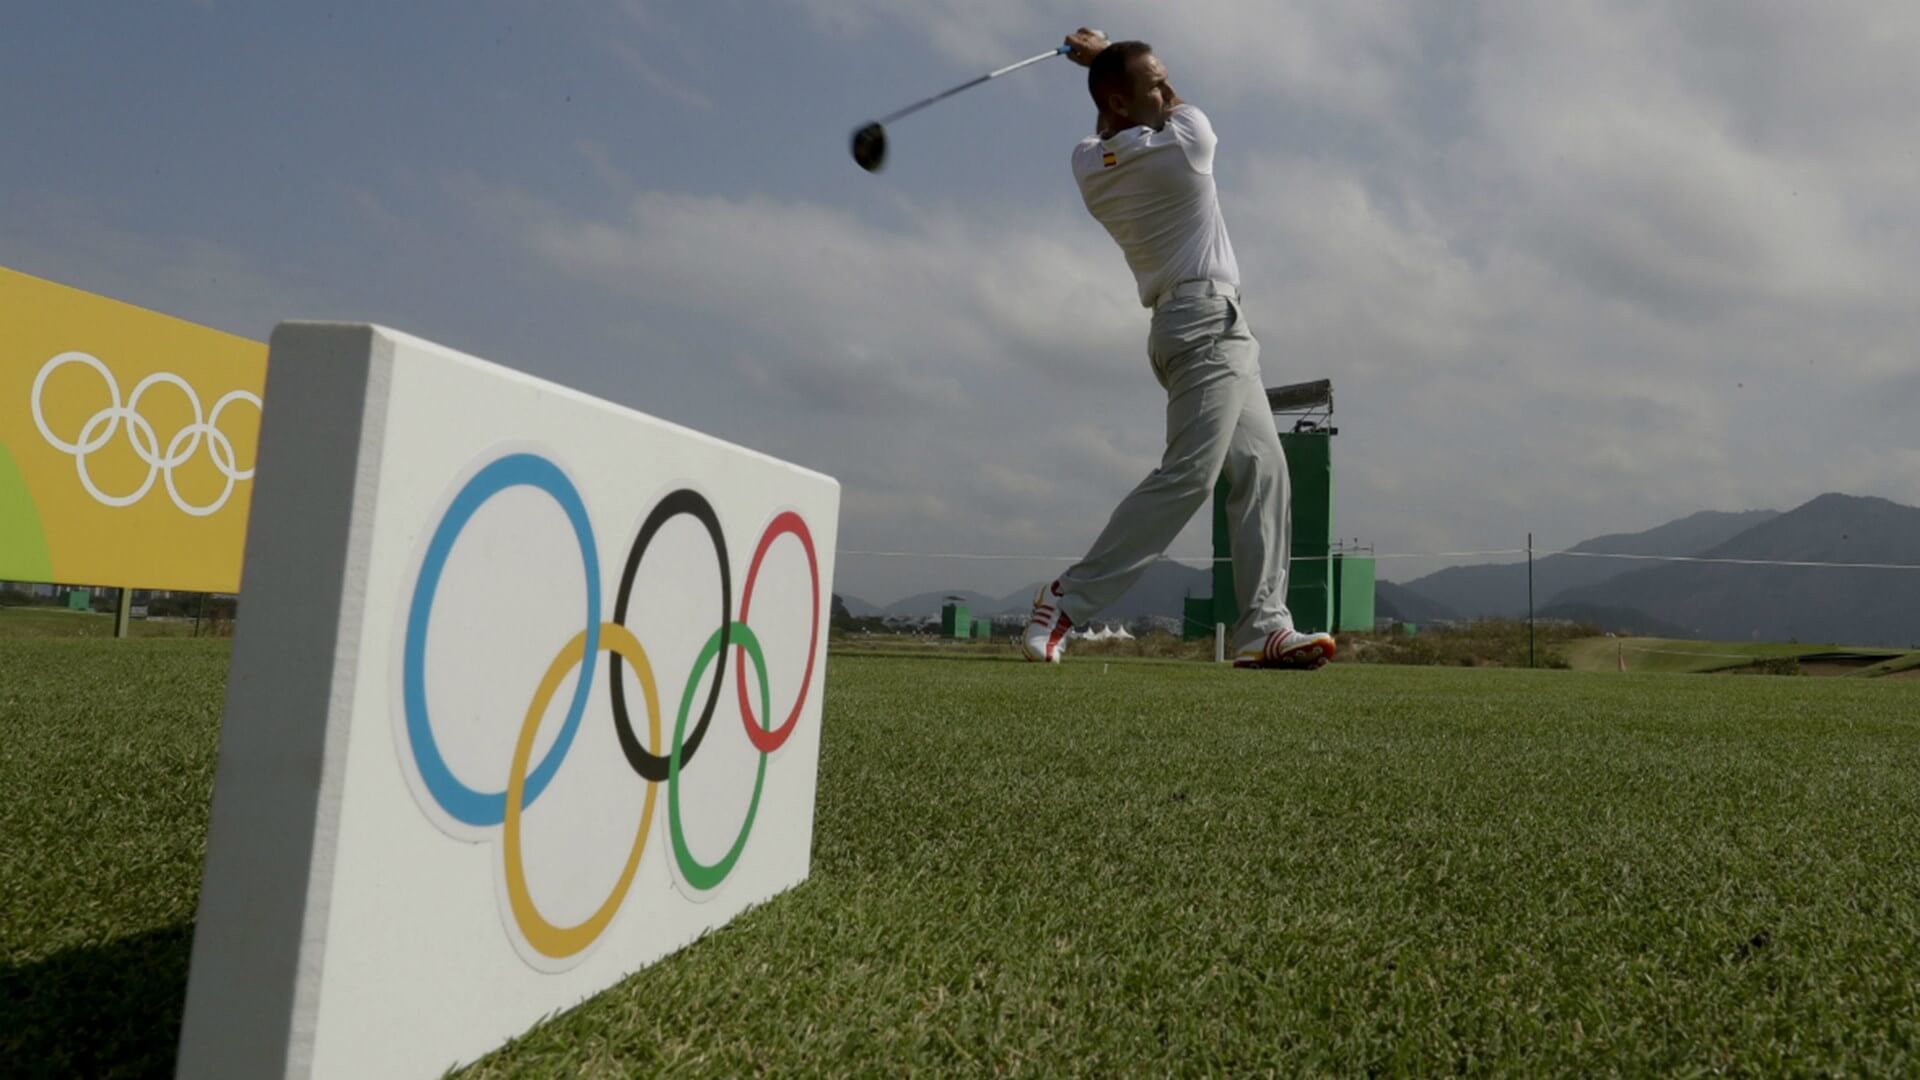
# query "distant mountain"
(927, 605)
(1392, 601)
(1161, 590)
(855, 606)
(1501, 589)
(1613, 619)
(1781, 603)
(1852, 607)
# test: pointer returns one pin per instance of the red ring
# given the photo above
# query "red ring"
(787, 522)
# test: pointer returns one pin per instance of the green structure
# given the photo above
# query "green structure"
(956, 621)
(1326, 590)
(1197, 616)
(1352, 593)
(1310, 579)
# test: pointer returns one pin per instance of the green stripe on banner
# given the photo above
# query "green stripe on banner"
(23, 547)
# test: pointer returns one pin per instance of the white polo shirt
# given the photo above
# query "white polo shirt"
(1153, 190)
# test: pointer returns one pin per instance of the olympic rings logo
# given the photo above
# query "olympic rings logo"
(501, 805)
(102, 426)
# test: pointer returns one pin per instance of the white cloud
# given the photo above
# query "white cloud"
(1631, 177)
(215, 284)
(1345, 58)
(653, 77)
(1577, 267)
(980, 388)
(1542, 252)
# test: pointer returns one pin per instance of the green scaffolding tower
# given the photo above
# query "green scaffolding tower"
(956, 621)
(1326, 589)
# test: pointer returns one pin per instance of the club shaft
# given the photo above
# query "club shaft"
(918, 105)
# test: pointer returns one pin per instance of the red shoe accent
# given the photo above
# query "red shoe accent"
(1059, 631)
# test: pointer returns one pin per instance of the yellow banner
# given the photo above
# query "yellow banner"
(126, 442)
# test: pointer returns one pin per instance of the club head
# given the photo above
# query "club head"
(870, 147)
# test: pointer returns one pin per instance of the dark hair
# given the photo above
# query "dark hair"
(1108, 72)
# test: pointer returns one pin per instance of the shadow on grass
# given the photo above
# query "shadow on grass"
(97, 1010)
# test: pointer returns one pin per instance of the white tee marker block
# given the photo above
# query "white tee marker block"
(525, 697)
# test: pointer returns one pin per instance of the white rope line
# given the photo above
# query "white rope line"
(1198, 560)
(1428, 555)
(1736, 562)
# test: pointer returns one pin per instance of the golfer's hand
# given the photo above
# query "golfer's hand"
(1084, 44)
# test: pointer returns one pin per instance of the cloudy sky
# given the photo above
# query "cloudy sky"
(1573, 268)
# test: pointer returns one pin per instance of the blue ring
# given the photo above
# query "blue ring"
(463, 803)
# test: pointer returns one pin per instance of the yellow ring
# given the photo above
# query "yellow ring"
(559, 942)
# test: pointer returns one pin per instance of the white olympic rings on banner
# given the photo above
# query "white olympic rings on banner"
(101, 427)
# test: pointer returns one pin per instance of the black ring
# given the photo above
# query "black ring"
(652, 766)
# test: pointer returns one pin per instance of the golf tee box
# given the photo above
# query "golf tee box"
(525, 695)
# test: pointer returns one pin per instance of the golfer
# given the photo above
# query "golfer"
(1148, 177)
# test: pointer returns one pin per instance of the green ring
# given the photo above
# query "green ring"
(696, 873)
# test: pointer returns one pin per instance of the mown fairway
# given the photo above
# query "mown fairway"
(1667, 655)
(1132, 866)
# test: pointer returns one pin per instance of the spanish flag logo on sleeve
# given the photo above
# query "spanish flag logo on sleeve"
(1107, 160)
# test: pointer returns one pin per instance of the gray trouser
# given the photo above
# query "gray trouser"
(1205, 355)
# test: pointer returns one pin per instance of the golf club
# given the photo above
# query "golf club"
(870, 142)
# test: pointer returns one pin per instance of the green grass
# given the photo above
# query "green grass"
(1905, 665)
(1475, 643)
(107, 752)
(1137, 866)
(46, 622)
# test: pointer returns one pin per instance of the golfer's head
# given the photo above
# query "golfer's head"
(1128, 82)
